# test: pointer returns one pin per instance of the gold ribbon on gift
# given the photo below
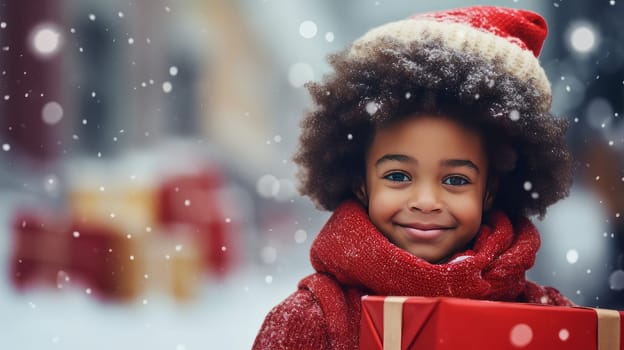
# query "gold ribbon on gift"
(392, 320)
(608, 329)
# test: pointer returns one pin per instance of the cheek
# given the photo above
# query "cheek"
(382, 205)
(469, 209)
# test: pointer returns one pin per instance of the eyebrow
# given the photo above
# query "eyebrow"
(396, 157)
(453, 163)
(450, 163)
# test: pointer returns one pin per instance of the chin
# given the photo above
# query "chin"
(431, 259)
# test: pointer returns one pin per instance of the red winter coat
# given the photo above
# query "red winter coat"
(352, 258)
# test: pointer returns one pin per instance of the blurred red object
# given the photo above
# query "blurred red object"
(112, 257)
(40, 248)
(197, 200)
(50, 250)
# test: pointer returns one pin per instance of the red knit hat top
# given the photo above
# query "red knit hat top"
(524, 28)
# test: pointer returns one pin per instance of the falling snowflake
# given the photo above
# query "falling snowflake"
(521, 335)
(308, 29)
(167, 87)
(372, 108)
(616, 280)
(514, 115)
(300, 73)
(572, 256)
(52, 113)
(46, 39)
(267, 186)
(268, 255)
(527, 185)
(300, 236)
(564, 334)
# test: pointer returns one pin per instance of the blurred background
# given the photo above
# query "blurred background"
(147, 193)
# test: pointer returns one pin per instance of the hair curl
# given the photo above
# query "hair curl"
(396, 81)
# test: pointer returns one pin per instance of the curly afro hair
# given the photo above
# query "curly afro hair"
(526, 145)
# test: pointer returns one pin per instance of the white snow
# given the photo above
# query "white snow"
(308, 29)
(225, 314)
(300, 73)
(300, 236)
(514, 115)
(564, 334)
(167, 87)
(46, 39)
(267, 186)
(527, 185)
(521, 335)
(52, 113)
(616, 280)
(268, 255)
(371, 108)
(572, 256)
(583, 37)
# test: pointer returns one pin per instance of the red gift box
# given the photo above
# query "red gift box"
(197, 200)
(50, 250)
(404, 323)
(40, 252)
(108, 261)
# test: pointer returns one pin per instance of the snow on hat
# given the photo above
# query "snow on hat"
(515, 37)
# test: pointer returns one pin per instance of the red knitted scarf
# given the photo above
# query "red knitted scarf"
(353, 258)
(352, 249)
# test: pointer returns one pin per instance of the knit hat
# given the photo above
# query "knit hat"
(513, 37)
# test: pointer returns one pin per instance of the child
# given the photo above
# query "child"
(431, 143)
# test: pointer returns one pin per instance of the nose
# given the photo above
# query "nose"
(424, 198)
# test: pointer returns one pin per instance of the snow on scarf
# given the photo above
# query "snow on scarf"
(353, 258)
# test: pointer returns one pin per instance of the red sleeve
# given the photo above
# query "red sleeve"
(534, 293)
(557, 298)
(295, 323)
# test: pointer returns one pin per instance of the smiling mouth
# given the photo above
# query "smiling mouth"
(424, 232)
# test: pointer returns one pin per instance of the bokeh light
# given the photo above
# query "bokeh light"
(45, 40)
(583, 37)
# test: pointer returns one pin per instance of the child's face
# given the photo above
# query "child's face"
(426, 185)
